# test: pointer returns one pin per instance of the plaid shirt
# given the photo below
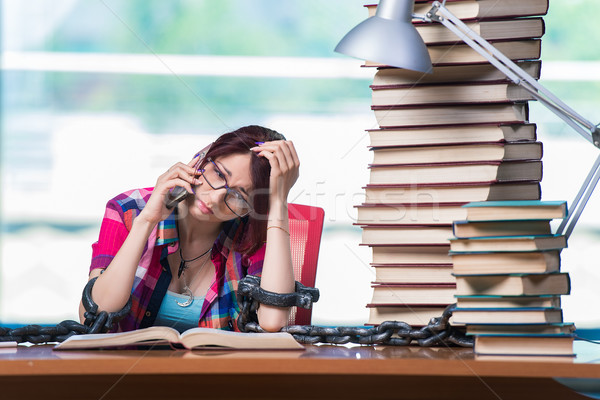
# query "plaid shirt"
(153, 274)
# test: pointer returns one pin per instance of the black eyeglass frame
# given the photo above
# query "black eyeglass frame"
(225, 186)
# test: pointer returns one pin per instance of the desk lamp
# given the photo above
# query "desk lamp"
(390, 38)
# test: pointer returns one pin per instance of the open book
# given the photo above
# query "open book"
(195, 338)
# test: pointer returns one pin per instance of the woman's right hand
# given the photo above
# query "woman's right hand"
(180, 174)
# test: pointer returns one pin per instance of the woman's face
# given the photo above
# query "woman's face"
(232, 171)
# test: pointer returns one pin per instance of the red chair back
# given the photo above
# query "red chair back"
(306, 226)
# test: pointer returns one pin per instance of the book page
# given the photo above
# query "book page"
(206, 338)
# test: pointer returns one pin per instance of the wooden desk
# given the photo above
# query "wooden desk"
(319, 372)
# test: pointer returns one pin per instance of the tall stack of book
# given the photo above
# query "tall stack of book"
(458, 135)
(509, 284)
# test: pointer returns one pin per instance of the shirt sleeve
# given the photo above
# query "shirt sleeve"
(254, 262)
(113, 232)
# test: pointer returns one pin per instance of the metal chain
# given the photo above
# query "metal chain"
(250, 296)
(393, 333)
(41, 334)
(95, 322)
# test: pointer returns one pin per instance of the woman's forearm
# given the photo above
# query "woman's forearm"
(278, 273)
(113, 287)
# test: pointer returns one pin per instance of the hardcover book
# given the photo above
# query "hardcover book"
(534, 262)
(409, 254)
(516, 329)
(527, 345)
(435, 115)
(483, 301)
(453, 54)
(385, 77)
(407, 214)
(390, 294)
(414, 273)
(457, 153)
(460, 192)
(414, 315)
(465, 172)
(513, 284)
(468, 316)
(515, 210)
(492, 229)
(514, 243)
(459, 134)
(522, 28)
(406, 235)
(448, 94)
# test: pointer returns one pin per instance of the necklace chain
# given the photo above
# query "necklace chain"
(183, 264)
(186, 289)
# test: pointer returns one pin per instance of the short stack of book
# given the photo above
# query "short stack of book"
(458, 135)
(509, 284)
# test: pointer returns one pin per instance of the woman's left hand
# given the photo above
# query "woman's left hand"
(285, 166)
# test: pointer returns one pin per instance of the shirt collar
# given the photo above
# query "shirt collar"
(226, 237)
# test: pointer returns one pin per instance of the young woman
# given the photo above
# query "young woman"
(181, 266)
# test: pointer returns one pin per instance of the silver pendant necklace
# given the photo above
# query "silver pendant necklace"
(186, 289)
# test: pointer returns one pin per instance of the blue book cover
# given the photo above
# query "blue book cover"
(463, 229)
(501, 244)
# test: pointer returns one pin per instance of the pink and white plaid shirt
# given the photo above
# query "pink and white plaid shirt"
(153, 275)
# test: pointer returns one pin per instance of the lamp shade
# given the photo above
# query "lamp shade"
(388, 37)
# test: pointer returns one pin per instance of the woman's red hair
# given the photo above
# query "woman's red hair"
(254, 230)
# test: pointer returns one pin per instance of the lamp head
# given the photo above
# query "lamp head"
(388, 38)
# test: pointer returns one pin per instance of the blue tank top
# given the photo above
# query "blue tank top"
(175, 316)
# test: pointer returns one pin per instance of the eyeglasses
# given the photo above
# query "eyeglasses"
(234, 200)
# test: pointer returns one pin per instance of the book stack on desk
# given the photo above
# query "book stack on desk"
(509, 282)
(458, 135)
